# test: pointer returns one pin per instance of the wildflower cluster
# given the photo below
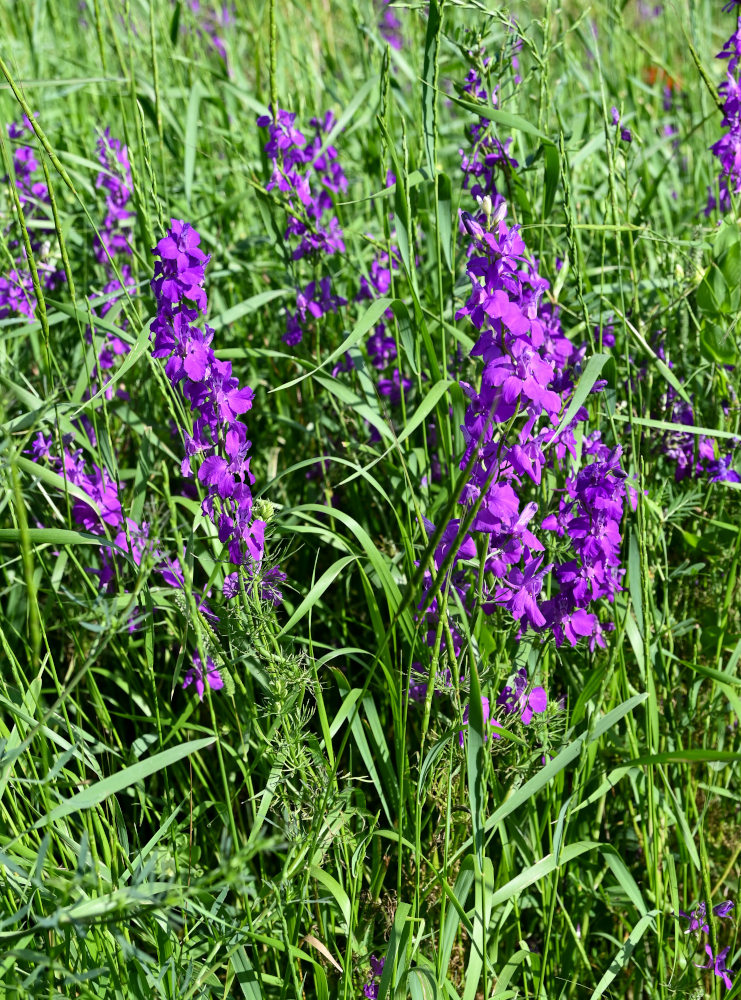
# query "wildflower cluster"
(308, 175)
(728, 148)
(315, 301)
(516, 699)
(488, 156)
(17, 297)
(370, 990)
(528, 379)
(219, 437)
(699, 922)
(692, 454)
(112, 243)
(389, 25)
(96, 508)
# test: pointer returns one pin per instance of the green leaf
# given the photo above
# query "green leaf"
(337, 892)
(397, 947)
(114, 783)
(52, 536)
(318, 588)
(191, 138)
(623, 956)
(718, 343)
(505, 118)
(583, 387)
(247, 307)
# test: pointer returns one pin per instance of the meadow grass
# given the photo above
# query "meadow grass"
(268, 839)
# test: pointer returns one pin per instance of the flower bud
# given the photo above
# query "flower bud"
(263, 509)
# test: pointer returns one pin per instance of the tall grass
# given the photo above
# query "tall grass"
(267, 840)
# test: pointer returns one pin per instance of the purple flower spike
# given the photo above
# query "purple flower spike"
(308, 177)
(216, 399)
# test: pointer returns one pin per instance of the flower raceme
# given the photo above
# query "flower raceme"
(513, 447)
(728, 148)
(308, 176)
(97, 509)
(17, 297)
(527, 380)
(112, 242)
(516, 699)
(218, 437)
(699, 922)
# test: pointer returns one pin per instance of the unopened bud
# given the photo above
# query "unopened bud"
(485, 205)
(500, 214)
(263, 509)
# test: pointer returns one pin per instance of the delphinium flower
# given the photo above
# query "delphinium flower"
(488, 156)
(693, 455)
(698, 916)
(194, 675)
(218, 437)
(518, 699)
(115, 180)
(728, 148)
(389, 25)
(96, 507)
(370, 990)
(625, 133)
(314, 302)
(308, 177)
(528, 377)
(113, 243)
(17, 297)
(377, 284)
(718, 964)
(699, 922)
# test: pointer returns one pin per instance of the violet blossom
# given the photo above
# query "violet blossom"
(219, 436)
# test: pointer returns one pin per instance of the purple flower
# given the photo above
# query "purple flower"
(516, 699)
(308, 177)
(370, 990)
(718, 964)
(216, 398)
(194, 675)
(698, 919)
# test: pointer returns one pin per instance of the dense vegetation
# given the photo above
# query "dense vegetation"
(370, 499)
